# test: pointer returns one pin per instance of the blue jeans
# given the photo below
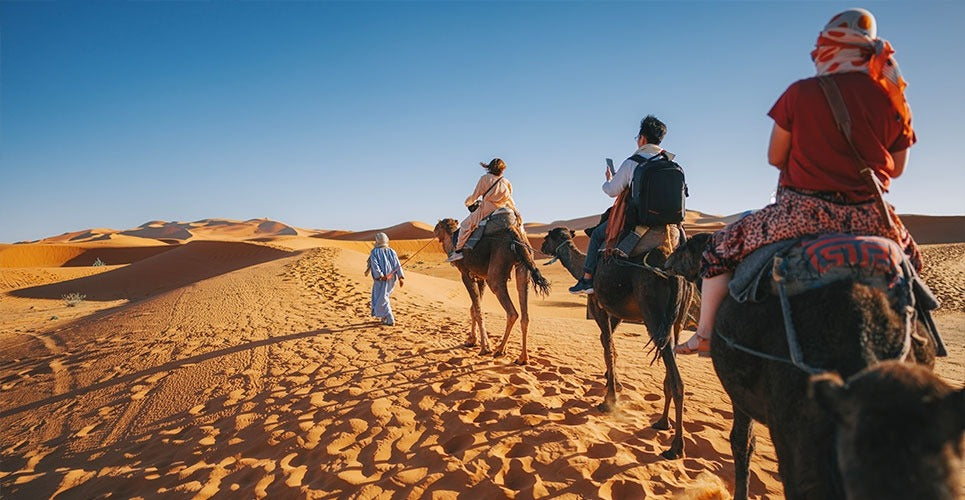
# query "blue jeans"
(597, 238)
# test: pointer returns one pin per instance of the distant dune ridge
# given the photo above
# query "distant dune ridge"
(927, 229)
(238, 359)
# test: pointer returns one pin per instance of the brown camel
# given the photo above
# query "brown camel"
(492, 260)
(636, 294)
(899, 431)
(843, 327)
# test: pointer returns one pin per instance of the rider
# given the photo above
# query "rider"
(493, 192)
(820, 190)
(651, 133)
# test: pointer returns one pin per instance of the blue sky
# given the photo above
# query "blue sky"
(358, 115)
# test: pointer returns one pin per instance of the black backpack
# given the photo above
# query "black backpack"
(658, 191)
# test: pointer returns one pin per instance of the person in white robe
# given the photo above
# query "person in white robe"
(386, 270)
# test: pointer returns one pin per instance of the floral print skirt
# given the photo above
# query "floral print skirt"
(798, 213)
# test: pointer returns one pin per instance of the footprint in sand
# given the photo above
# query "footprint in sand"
(518, 478)
(486, 416)
(533, 408)
(601, 450)
(458, 444)
(619, 488)
(522, 449)
(469, 405)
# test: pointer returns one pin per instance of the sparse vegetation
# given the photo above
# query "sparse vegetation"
(404, 256)
(99, 263)
(73, 298)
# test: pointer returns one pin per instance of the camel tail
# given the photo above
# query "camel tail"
(666, 337)
(540, 283)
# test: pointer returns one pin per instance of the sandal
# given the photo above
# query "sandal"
(694, 345)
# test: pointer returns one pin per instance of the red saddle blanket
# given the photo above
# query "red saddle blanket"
(838, 256)
(810, 263)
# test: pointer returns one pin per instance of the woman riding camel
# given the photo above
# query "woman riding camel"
(821, 189)
(493, 191)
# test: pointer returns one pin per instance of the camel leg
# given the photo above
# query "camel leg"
(664, 422)
(483, 336)
(475, 313)
(607, 328)
(522, 290)
(614, 322)
(742, 445)
(498, 286)
(677, 390)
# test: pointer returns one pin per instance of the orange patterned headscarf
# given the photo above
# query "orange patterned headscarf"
(849, 42)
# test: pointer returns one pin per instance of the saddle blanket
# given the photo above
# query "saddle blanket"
(811, 263)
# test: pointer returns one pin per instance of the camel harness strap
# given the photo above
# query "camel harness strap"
(793, 346)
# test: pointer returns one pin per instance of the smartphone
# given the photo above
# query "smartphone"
(609, 166)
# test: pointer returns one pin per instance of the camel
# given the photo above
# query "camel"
(843, 327)
(492, 260)
(899, 431)
(637, 294)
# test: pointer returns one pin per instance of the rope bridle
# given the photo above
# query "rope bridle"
(556, 252)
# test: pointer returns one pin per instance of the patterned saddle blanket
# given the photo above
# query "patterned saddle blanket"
(810, 263)
(814, 262)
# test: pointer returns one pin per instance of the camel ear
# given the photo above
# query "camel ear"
(572, 233)
(828, 390)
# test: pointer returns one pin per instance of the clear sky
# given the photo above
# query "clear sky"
(358, 115)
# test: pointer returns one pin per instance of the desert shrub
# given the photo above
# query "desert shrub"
(403, 256)
(99, 262)
(73, 298)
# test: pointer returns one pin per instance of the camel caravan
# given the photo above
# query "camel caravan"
(810, 309)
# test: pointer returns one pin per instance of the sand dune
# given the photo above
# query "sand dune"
(74, 255)
(412, 230)
(236, 369)
(174, 268)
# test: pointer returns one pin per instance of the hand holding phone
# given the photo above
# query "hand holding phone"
(609, 167)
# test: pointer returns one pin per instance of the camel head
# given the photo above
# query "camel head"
(556, 237)
(444, 229)
(685, 260)
(899, 431)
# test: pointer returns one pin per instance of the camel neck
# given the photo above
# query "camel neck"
(572, 259)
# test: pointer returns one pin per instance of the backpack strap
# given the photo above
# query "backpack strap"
(491, 187)
(641, 160)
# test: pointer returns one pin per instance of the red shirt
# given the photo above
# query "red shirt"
(820, 157)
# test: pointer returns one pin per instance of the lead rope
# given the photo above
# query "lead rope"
(417, 252)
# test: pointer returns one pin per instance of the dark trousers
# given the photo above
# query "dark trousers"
(597, 237)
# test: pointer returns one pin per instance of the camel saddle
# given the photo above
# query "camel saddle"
(500, 220)
(813, 262)
(665, 238)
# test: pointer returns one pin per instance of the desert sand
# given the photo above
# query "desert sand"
(237, 359)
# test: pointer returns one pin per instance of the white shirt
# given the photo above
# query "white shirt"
(621, 179)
